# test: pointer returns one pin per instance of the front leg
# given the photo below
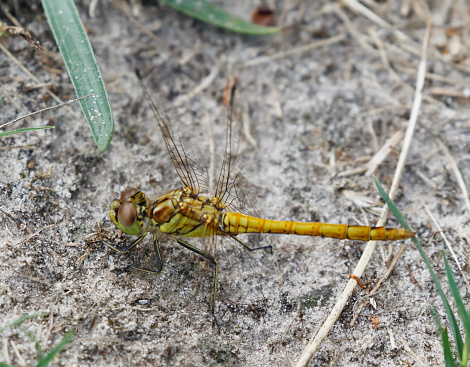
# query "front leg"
(156, 247)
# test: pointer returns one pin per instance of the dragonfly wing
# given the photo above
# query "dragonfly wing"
(191, 170)
(227, 176)
(232, 191)
(188, 163)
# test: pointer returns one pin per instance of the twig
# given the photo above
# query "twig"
(358, 7)
(44, 110)
(449, 246)
(286, 357)
(29, 146)
(457, 173)
(203, 85)
(92, 8)
(294, 51)
(356, 35)
(27, 238)
(27, 72)
(377, 286)
(383, 152)
(21, 360)
(6, 355)
(315, 342)
(125, 9)
(411, 353)
(246, 129)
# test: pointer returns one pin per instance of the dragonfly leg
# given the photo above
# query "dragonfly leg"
(267, 248)
(158, 256)
(127, 248)
(213, 260)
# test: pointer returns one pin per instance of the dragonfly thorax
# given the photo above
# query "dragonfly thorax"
(180, 213)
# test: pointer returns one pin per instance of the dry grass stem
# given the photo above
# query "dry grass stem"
(379, 283)
(449, 246)
(294, 51)
(383, 153)
(125, 9)
(43, 110)
(28, 73)
(27, 238)
(317, 339)
(457, 174)
(182, 99)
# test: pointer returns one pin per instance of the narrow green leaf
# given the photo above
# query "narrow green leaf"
(21, 319)
(5, 365)
(33, 338)
(448, 357)
(11, 132)
(67, 337)
(450, 314)
(391, 205)
(82, 67)
(458, 299)
(464, 359)
(209, 13)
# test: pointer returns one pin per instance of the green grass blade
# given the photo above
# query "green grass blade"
(209, 13)
(22, 319)
(460, 306)
(82, 67)
(11, 132)
(448, 357)
(67, 337)
(391, 205)
(450, 314)
(33, 338)
(5, 365)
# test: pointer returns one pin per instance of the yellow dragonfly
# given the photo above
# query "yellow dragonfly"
(185, 212)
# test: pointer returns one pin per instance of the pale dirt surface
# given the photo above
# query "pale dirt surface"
(313, 116)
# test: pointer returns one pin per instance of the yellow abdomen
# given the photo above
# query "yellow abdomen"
(236, 223)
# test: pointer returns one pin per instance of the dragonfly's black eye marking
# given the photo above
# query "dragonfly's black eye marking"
(126, 195)
(127, 214)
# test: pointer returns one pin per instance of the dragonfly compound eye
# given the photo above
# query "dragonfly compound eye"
(124, 216)
(126, 195)
(127, 214)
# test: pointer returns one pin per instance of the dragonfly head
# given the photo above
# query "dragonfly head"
(127, 213)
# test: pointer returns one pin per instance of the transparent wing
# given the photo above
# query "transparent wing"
(191, 170)
(232, 191)
(227, 178)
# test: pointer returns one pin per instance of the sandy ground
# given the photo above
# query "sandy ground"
(312, 120)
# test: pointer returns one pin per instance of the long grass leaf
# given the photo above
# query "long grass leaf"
(460, 305)
(11, 132)
(209, 13)
(82, 67)
(448, 357)
(450, 314)
(21, 319)
(67, 337)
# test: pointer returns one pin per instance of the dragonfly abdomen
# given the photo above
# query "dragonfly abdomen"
(239, 223)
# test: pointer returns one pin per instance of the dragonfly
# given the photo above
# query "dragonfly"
(186, 212)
